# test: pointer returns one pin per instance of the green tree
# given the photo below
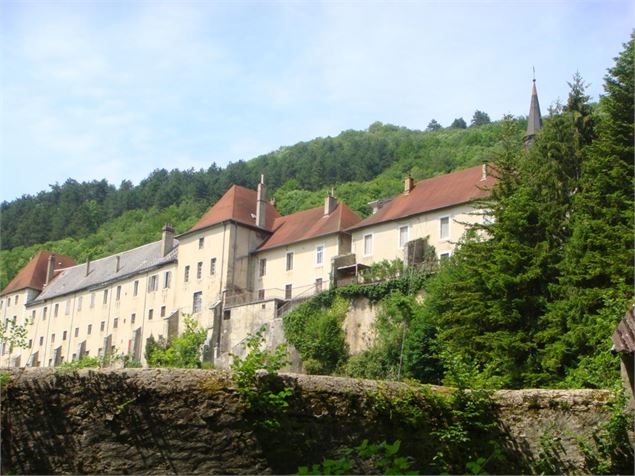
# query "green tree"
(479, 118)
(433, 125)
(458, 123)
(183, 351)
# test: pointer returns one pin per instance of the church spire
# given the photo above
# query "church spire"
(534, 121)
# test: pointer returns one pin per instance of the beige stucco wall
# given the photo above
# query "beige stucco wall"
(305, 269)
(386, 235)
(75, 314)
(9, 310)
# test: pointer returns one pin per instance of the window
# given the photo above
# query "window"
(32, 316)
(162, 311)
(167, 278)
(197, 299)
(92, 300)
(319, 254)
(67, 307)
(118, 296)
(287, 291)
(261, 294)
(135, 288)
(1, 303)
(44, 314)
(403, 236)
(262, 267)
(212, 266)
(201, 243)
(90, 329)
(444, 228)
(133, 317)
(199, 270)
(368, 244)
(16, 299)
(318, 285)
(56, 310)
(64, 335)
(102, 327)
(115, 323)
(444, 256)
(52, 337)
(79, 303)
(41, 340)
(30, 343)
(150, 314)
(187, 274)
(153, 283)
(289, 260)
(77, 332)
(105, 296)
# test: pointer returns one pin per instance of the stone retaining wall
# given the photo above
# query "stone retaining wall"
(166, 421)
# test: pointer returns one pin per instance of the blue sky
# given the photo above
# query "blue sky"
(107, 89)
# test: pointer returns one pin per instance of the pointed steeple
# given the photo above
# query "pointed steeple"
(534, 120)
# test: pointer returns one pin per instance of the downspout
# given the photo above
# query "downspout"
(70, 337)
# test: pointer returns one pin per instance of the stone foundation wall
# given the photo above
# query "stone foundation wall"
(166, 421)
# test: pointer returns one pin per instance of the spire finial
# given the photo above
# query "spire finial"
(534, 70)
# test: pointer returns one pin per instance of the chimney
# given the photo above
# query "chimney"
(408, 184)
(50, 269)
(117, 261)
(87, 266)
(484, 172)
(261, 204)
(329, 204)
(167, 240)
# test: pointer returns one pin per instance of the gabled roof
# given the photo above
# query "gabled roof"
(239, 205)
(432, 194)
(104, 271)
(309, 224)
(33, 275)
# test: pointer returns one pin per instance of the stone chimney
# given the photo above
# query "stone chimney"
(117, 263)
(484, 172)
(329, 204)
(261, 204)
(87, 266)
(50, 270)
(408, 184)
(167, 239)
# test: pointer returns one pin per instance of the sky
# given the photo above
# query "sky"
(108, 89)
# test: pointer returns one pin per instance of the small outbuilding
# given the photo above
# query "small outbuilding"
(624, 345)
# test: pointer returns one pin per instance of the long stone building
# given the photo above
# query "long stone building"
(238, 268)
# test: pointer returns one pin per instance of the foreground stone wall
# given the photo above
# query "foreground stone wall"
(166, 421)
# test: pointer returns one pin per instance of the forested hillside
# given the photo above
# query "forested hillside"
(96, 219)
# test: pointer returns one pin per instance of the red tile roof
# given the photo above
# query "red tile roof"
(33, 275)
(308, 224)
(239, 205)
(433, 194)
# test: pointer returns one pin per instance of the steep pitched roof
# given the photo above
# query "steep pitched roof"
(432, 194)
(104, 270)
(309, 224)
(534, 120)
(239, 205)
(33, 275)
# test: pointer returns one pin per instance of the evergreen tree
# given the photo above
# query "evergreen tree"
(597, 266)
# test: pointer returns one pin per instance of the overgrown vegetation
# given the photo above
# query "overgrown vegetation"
(366, 458)
(314, 328)
(263, 394)
(93, 362)
(183, 351)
